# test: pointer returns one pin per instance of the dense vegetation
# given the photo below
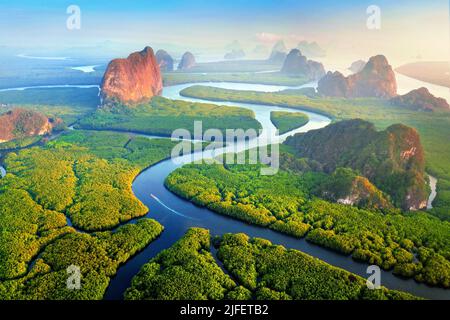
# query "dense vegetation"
(68, 104)
(347, 186)
(432, 126)
(189, 271)
(85, 176)
(269, 78)
(19, 143)
(162, 116)
(97, 255)
(288, 121)
(392, 159)
(414, 244)
(186, 271)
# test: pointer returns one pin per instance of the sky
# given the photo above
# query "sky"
(409, 30)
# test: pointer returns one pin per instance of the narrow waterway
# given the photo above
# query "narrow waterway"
(177, 215)
(433, 195)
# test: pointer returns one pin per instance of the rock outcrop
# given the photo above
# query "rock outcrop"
(165, 61)
(132, 80)
(311, 49)
(187, 61)
(297, 64)
(21, 123)
(345, 186)
(393, 159)
(376, 79)
(235, 54)
(279, 52)
(357, 66)
(422, 100)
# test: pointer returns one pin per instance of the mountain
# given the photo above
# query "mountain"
(357, 66)
(298, 64)
(20, 123)
(422, 100)
(233, 46)
(311, 49)
(347, 187)
(187, 61)
(376, 79)
(165, 61)
(393, 159)
(132, 80)
(235, 54)
(279, 52)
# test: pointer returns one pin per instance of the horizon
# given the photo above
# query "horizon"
(40, 26)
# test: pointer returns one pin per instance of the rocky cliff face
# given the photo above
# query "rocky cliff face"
(298, 64)
(20, 123)
(376, 79)
(187, 61)
(347, 187)
(393, 160)
(421, 100)
(132, 80)
(165, 61)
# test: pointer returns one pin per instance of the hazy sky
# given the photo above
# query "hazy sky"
(410, 29)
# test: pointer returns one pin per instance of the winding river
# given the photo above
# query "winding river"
(177, 215)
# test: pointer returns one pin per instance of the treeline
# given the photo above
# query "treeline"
(413, 244)
(97, 256)
(269, 78)
(186, 271)
(162, 116)
(432, 126)
(87, 177)
(288, 121)
(262, 271)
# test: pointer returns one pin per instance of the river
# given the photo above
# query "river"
(177, 215)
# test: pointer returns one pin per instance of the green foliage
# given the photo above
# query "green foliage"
(68, 104)
(284, 202)
(275, 273)
(98, 256)
(86, 176)
(380, 156)
(432, 126)
(345, 185)
(288, 121)
(269, 78)
(241, 192)
(19, 143)
(162, 116)
(186, 271)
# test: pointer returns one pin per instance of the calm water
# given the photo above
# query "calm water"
(177, 215)
(85, 69)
